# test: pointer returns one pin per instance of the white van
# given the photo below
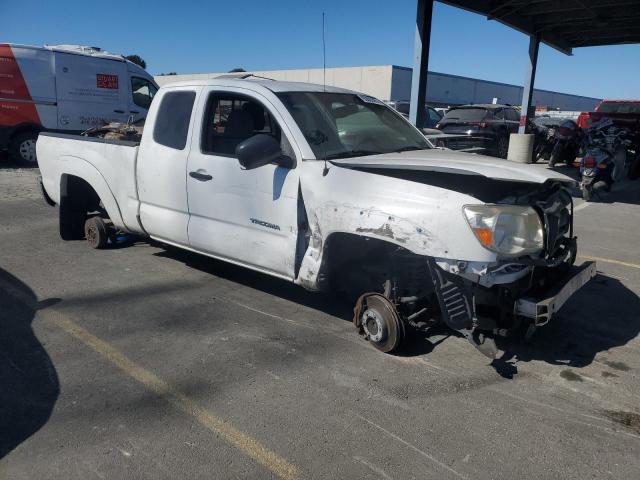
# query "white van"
(65, 88)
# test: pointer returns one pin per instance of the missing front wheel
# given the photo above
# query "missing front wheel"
(377, 319)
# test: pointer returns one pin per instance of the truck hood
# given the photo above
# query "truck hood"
(448, 161)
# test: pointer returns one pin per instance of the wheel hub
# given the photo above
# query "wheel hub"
(379, 322)
(92, 236)
(28, 150)
(373, 325)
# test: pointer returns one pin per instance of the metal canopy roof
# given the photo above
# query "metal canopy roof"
(565, 24)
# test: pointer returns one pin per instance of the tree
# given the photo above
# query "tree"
(137, 60)
(237, 70)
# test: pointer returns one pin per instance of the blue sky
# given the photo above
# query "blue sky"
(191, 36)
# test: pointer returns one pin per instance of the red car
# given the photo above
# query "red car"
(623, 113)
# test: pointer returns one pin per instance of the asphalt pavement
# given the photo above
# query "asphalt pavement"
(144, 362)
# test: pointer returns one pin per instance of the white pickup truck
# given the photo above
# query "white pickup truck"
(326, 187)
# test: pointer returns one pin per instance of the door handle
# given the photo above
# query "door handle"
(203, 177)
(119, 111)
(134, 111)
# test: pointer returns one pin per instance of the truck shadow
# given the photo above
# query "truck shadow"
(601, 316)
(29, 384)
(329, 303)
(335, 304)
(7, 163)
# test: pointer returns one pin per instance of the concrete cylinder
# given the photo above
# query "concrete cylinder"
(520, 147)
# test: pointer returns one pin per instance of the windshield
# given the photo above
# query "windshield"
(619, 107)
(466, 114)
(339, 125)
(143, 92)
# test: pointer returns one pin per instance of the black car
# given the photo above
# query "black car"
(485, 126)
(432, 117)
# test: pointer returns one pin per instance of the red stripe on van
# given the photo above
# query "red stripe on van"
(13, 87)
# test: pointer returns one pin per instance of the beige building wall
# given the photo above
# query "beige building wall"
(373, 80)
(388, 82)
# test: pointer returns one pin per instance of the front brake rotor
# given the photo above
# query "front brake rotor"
(378, 320)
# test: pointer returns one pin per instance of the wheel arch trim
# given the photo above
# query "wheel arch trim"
(78, 167)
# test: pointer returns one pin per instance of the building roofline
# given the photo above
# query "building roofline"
(493, 82)
(403, 68)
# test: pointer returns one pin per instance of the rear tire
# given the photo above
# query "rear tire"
(22, 149)
(96, 232)
(537, 153)
(555, 155)
(571, 156)
(502, 148)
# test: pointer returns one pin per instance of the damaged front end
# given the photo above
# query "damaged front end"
(517, 291)
(514, 293)
(484, 247)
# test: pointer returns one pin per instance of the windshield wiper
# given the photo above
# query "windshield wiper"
(351, 153)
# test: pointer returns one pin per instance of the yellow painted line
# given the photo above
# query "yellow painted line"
(609, 260)
(240, 440)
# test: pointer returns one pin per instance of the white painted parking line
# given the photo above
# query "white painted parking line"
(609, 260)
(581, 206)
(222, 428)
(414, 448)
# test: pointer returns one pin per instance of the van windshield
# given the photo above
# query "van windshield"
(143, 92)
(340, 125)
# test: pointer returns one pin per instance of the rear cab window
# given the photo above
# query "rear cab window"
(466, 114)
(173, 118)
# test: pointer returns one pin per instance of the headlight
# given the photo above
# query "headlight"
(506, 229)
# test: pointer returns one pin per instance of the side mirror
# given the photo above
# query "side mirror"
(261, 150)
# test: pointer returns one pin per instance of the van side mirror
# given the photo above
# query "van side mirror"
(260, 150)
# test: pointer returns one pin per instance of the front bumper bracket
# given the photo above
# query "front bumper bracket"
(542, 310)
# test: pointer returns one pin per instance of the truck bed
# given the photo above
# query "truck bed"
(110, 164)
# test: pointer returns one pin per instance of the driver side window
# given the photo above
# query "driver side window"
(231, 119)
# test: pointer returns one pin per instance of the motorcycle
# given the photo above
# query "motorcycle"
(568, 138)
(542, 140)
(605, 159)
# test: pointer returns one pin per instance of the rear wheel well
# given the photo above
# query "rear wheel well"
(78, 200)
(26, 128)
